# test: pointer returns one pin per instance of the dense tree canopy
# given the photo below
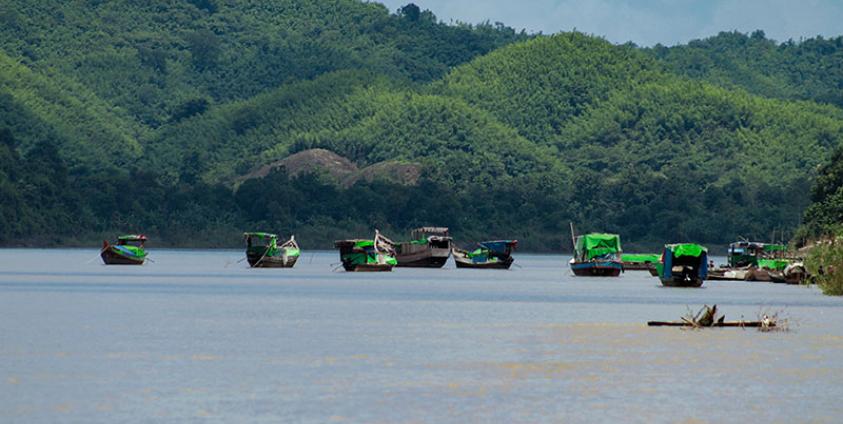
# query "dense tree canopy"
(145, 116)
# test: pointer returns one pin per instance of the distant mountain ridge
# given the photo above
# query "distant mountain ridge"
(192, 98)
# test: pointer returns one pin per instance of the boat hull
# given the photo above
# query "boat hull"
(468, 264)
(426, 257)
(728, 274)
(597, 268)
(111, 257)
(678, 282)
(260, 261)
(636, 266)
(367, 267)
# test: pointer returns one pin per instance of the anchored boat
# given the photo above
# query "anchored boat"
(128, 250)
(430, 247)
(596, 255)
(359, 255)
(495, 254)
(683, 265)
(751, 253)
(639, 261)
(263, 251)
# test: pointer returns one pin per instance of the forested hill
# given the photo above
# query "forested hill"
(810, 69)
(146, 116)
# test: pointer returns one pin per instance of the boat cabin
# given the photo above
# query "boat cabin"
(135, 240)
(436, 237)
(259, 239)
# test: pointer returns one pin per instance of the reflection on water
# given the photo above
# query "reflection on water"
(197, 335)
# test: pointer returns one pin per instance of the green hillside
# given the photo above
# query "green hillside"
(811, 69)
(824, 216)
(515, 135)
(153, 58)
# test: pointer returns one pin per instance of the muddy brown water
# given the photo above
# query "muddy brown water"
(196, 336)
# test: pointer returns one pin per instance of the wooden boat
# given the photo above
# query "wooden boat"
(361, 255)
(683, 265)
(495, 254)
(128, 250)
(596, 255)
(262, 251)
(430, 247)
(758, 274)
(638, 261)
(795, 273)
(729, 274)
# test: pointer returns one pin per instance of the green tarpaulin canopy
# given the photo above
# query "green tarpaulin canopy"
(776, 264)
(640, 257)
(686, 249)
(598, 244)
(775, 248)
(364, 243)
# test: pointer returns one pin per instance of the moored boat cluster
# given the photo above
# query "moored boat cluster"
(595, 255)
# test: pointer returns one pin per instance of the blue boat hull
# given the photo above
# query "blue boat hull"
(597, 268)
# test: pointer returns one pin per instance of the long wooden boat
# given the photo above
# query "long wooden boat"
(496, 254)
(363, 255)
(430, 247)
(127, 250)
(729, 274)
(263, 251)
(683, 265)
(596, 255)
(638, 261)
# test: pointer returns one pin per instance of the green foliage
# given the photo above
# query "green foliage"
(537, 86)
(142, 116)
(810, 69)
(825, 214)
(825, 263)
(150, 57)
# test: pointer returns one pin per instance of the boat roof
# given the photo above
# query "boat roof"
(759, 245)
(437, 230)
(132, 237)
(499, 241)
(686, 249)
(260, 235)
(354, 242)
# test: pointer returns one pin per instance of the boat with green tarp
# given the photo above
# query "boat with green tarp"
(596, 255)
(263, 251)
(494, 254)
(430, 247)
(127, 250)
(364, 255)
(683, 265)
(754, 261)
(748, 253)
(639, 261)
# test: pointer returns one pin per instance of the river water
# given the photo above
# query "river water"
(196, 336)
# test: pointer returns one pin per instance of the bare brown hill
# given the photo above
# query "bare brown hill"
(308, 162)
(338, 168)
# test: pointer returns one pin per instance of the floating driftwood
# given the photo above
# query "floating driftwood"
(707, 317)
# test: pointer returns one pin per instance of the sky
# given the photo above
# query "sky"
(647, 22)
